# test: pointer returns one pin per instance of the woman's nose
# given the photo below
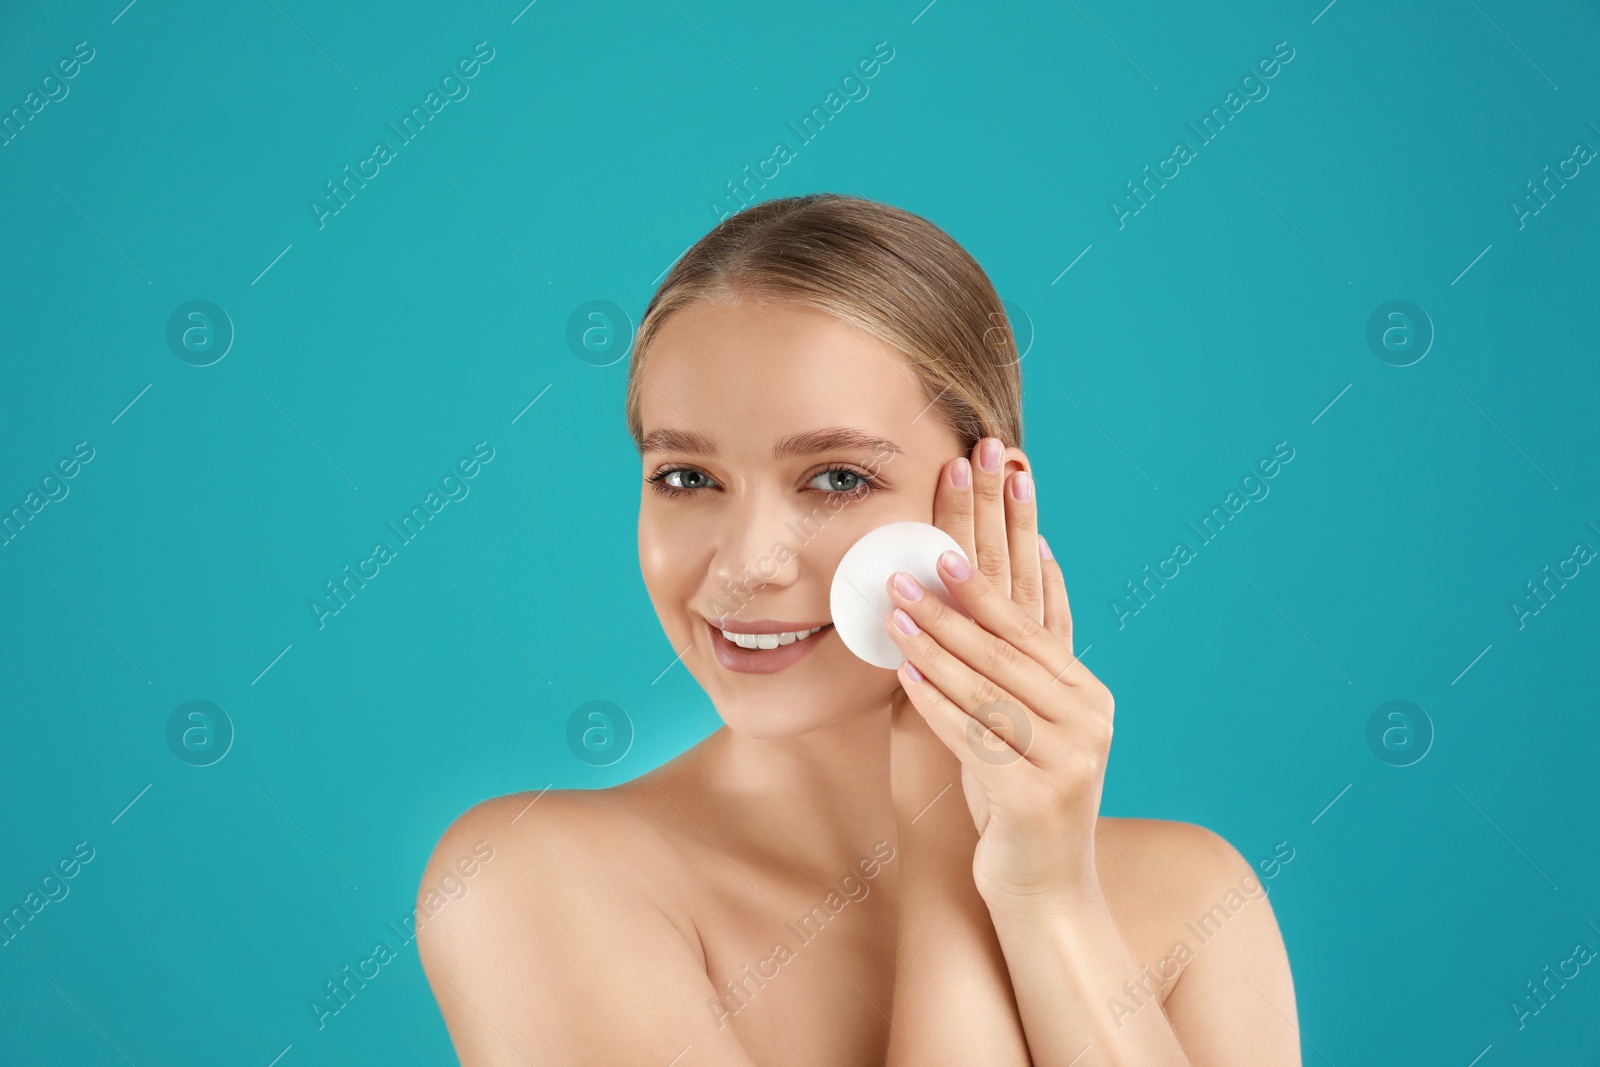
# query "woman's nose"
(757, 545)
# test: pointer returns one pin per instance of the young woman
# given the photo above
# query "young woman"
(862, 866)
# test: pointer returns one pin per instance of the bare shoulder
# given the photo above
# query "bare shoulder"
(507, 861)
(526, 831)
(548, 933)
(1158, 875)
(1166, 858)
(1197, 918)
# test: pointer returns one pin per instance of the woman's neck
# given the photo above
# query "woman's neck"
(824, 794)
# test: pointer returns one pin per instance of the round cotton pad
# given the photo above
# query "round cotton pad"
(859, 600)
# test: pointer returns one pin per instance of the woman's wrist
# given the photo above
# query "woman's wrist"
(1044, 906)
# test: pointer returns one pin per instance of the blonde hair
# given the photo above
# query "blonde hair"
(886, 271)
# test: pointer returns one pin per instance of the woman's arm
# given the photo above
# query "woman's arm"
(1037, 760)
(553, 957)
(953, 1003)
(1056, 980)
(996, 680)
(1229, 998)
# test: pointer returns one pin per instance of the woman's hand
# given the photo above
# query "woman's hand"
(1028, 723)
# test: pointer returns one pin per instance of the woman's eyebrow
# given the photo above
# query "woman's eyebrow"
(827, 440)
(677, 441)
(801, 444)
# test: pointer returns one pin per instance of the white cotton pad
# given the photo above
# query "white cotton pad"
(859, 599)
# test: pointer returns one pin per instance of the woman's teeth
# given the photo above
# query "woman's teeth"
(788, 637)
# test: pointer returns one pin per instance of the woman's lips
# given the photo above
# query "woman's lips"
(762, 660)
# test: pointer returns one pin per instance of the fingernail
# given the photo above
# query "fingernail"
(989, 454)
(912, 672)
(956, 564)
(1044, 549)
(905, 622)
(907, 586)
(961, 474)
(1021, 487)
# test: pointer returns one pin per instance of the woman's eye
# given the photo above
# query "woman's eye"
(684, 478)
(838, 480)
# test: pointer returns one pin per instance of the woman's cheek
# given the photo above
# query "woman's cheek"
(663, 568)
(658, 558)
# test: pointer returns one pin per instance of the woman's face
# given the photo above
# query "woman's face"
(775, 435)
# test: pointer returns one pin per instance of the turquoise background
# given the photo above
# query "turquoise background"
(372, 353)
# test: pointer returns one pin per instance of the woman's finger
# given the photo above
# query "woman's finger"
(952, 504)
(985, 619)
(1022, 537)
(993, 750)
(979, 670)
(1002, 674)
(1057, 609)
(989, 512)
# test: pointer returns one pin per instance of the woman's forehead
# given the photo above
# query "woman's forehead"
(769, 372)
(709, 338)
(783, 424)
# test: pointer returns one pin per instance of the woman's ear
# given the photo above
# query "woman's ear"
(1013, 460)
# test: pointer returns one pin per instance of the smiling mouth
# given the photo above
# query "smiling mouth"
(769, 641)
(762, 646)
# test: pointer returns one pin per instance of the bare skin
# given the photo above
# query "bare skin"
(841, 854)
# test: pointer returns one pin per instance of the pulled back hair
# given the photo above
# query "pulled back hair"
(884, 270)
